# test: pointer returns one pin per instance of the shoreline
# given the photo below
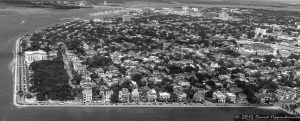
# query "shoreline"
(15, 71)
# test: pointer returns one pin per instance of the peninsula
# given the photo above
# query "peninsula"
(167, 57)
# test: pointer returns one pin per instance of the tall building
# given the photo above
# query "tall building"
(32, 56)
(87, 94)
(219, 97)
(124, 95)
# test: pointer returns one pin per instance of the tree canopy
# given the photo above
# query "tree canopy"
(50, 81)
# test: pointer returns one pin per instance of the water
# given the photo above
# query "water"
(16, 21)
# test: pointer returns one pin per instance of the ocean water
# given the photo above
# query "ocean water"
(18, 21)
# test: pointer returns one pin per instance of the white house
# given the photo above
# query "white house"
(31, 56)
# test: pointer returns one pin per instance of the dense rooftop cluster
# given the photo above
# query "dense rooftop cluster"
(169, 57)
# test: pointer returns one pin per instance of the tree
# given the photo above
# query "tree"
(40, 96)
(209, 94)
(169, 88)
(50, 80)
(240, 84)
(189, 92)
(94, 76)
(250, 35)
(173, 97)
(253, 99)
(189, 69)
(20, 93)
(114, 98)
(268, 57)
(97, 61)
(257, 61)
(175, 69)
(230, 52)
(28, 95)
(294, 56)
(211, 83)
(267, 84)
(137, 78)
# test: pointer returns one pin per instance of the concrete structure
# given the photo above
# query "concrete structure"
(185, 84)
(87, 94)
(185, 8)
(135, 95)
(124, 95)
(260, 32)
(242, 98)
(151, 95)
(224, 15)
(195, 9)
(104, 3)
(219, 97)
(127, 18)
(231, 97)
(86, 83)
(199, 96)
(164, 96)
(297, 25)
(32, 56)
(286, 93)
(108, 95)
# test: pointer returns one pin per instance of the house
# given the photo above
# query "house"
(285, 93)
(219, 97)
(87, 94)
(235, 89)
(151, 95)
(185, 8)
(241, 98)
(108, 95)
(135, 95)
(32, 56)
(185, 84)
(265, 97)
(231, 97)
(99, 71)
(260, 32)
(181, 96)
(127, 18)
(87, 77)
(163, 96)
(124, 95)
(199, 96)
(86, 83)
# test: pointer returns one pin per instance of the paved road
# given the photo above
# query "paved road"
(69, 70)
